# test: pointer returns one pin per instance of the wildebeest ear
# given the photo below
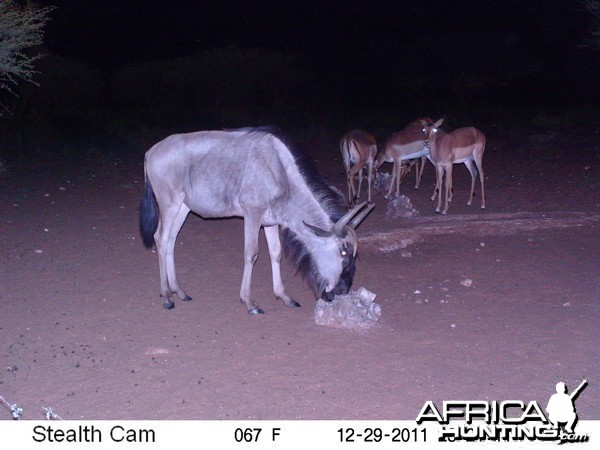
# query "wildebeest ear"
(318, 231)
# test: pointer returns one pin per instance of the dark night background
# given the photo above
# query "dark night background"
(132, 71)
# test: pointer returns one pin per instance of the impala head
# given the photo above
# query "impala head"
(380, 158)
(430, 129)
(334, 260)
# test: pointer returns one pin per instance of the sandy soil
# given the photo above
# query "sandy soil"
(82, 328)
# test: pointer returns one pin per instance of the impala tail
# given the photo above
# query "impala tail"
(148, 216)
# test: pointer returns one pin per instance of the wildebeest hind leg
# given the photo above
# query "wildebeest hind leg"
(171, 222)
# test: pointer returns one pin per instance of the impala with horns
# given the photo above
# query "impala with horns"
(358, 151)
(404, 149)
(463, 145)
(250, 173)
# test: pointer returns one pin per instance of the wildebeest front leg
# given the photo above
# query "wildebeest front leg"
(251, 229)
(274, 244)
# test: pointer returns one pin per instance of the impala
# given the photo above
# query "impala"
(463, 145)
(404, 149)
(358, 149)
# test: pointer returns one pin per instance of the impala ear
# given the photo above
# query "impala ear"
(438, 123)
(423, 122)
(316, 230)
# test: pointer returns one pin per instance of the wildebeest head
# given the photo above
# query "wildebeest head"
(334, 260)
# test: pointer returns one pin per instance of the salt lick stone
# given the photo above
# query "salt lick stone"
(382, 182)
(400, 207)
(356, 310)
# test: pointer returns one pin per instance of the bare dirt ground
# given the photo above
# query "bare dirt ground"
(82, 328)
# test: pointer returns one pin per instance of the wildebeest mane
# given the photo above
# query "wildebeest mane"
(332, 202)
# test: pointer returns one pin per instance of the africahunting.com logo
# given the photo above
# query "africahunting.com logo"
(509, 420)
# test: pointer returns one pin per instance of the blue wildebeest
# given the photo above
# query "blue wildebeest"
(249, 173)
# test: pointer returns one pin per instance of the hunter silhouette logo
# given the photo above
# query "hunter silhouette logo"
(561, 409)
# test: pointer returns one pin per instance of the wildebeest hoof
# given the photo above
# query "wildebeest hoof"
(293, 304)
(256, 310)
(187, 298)
(168, 305)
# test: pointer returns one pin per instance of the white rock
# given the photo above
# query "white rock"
(356, 310)
(400, 207)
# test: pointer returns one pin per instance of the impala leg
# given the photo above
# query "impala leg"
(394, 175)
(423, 163)
(439, 174)
(171, 221)
(369, 178)
(251, 229)
(350, 194)
(399, 176)
(274, 245)
(349, 181)
(356, 169)
(404, 171)
(473, 173)
(448, 188)
(360, 180)
(420, 171)
(479, 162)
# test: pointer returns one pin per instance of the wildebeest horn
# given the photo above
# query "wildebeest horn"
(340, 224)
(318, 231)
(358, 219)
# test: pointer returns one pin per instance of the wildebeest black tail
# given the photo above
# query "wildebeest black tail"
(148, 215)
